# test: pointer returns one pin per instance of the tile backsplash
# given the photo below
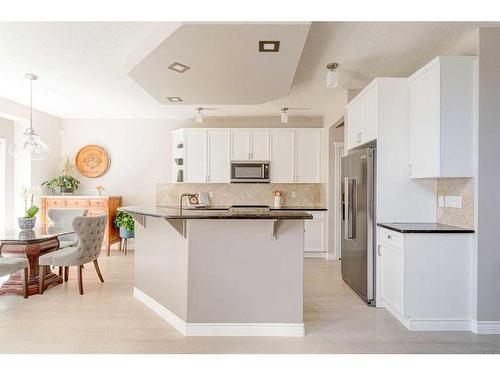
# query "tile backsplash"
(229, 194)
(462, 217)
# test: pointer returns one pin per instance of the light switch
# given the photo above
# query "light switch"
(293, 194)
(441, 200)
(454, 201)
(211, 194)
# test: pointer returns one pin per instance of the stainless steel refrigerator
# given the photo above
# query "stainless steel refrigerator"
(358, 222)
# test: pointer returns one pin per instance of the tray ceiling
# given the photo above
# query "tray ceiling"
(224, 65)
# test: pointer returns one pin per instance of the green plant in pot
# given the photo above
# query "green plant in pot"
(65, 183)
(125, 223)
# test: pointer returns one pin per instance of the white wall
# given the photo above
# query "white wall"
(140, 150)
(7, 207)
(488, 177)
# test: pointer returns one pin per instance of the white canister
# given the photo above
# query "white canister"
(278, 201)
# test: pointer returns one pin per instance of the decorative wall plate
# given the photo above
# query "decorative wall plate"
(92, 161)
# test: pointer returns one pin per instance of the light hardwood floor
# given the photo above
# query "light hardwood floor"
(107, 319)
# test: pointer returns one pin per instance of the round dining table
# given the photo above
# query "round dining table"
(30, 244)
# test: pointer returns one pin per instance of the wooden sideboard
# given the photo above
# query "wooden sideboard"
(97, 205)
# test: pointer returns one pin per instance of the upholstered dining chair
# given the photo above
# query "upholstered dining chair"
(90, 232)
(8, 266)
(63, 218)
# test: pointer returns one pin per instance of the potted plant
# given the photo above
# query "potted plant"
(65, 183)
(125, 223)
(28, 221)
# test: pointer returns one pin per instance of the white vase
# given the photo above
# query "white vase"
(278, 201)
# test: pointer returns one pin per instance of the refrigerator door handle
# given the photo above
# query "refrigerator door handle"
(349, 207)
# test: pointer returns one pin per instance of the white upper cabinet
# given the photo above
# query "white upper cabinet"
(362, 117)
(218, 156)
(441, 117)
(282, 156)
(240, 145)
(370, 114)
(354, 119)
(308, 156)
(259, 145)
(195, 155)
(294, 154)
(249, 145)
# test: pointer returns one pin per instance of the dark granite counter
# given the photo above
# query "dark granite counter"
(299, 208)
(424, 228)
(282, 208)
(173, 213)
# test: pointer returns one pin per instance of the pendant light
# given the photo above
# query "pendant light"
(284, 115)
(198, 115)
(332, 77)
(30, 144)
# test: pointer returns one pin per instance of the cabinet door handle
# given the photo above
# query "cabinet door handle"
(358, 137)
(379, 252)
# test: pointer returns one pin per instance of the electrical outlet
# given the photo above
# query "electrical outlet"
(211, 194)
(454, 201)
(441, 200)
(293, 194)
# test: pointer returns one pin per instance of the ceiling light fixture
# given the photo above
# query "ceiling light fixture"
(332, 77)
(198, 115)
(174, 99)
(284, 115)
(269, 46)
(30, 144)
(178, 67)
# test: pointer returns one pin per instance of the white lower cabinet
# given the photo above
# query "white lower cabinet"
(314, 235)
(392, 277)
(424, 279)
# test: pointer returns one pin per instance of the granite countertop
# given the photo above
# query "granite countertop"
(424, 228)
(173, 213)
(283, 208)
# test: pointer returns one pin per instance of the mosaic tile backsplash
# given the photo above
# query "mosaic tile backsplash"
(229, 194)
(461, 217)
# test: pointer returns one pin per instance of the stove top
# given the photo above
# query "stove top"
(243, 208)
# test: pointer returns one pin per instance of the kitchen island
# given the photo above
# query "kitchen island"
(221, 273)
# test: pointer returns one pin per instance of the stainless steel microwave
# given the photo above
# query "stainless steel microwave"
(250, 171)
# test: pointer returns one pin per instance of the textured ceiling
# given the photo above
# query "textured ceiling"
(83, 66)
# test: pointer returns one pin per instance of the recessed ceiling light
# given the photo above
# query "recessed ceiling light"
(269, 45)
(174, 99)
(178, 67)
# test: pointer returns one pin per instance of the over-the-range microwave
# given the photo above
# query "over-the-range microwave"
(250, 171)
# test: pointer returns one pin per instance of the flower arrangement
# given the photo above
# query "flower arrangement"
(100, 189)
(28, 194)
(28, 221)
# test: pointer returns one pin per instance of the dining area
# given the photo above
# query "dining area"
(39, 258)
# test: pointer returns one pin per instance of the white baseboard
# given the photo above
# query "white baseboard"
(436, 325)
(315, 254)
(161, 311)
(439, 325)
(245, 329)
(485, 327)
(220, 329)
